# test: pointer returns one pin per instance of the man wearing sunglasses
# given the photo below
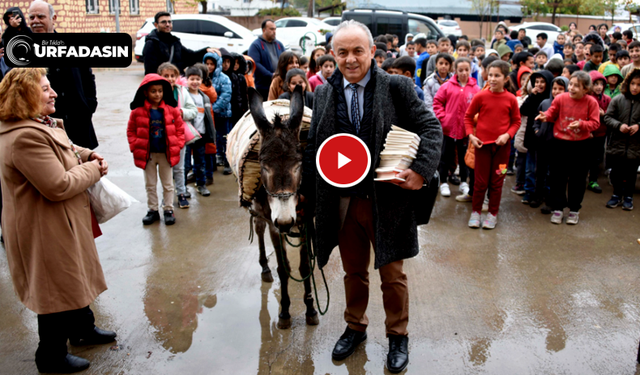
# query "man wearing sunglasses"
(161, 46)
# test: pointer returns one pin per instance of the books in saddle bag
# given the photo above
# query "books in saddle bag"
(400, 149)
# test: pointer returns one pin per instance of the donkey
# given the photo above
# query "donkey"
(275, 202)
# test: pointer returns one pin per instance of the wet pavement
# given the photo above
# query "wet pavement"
(526, 298)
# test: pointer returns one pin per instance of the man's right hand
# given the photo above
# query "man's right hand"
(624, 128)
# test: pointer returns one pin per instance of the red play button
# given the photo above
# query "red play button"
(343, 160)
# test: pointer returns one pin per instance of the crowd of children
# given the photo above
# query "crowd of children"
(552, 112)
(542, 111)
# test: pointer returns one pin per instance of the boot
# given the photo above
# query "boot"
(96, 336)
(65, 365)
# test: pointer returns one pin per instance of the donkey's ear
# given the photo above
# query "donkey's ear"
(257, 111)
(296, 108)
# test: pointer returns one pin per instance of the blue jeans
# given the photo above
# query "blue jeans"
(198, 148)
(223, 127)
(521, 161)
(530, 175)
(187, 160)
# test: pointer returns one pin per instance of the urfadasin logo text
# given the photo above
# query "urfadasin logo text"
(97, 50)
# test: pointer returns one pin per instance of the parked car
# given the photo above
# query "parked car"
(532, 29)
(449, 27)
(394, 22)
(333, 21)
(198, 31)
(299, 31)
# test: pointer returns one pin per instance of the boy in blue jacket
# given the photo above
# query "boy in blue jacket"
(221, 109)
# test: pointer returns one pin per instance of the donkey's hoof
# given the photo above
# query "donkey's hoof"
(266, 277)
(284, 323)
(313, 320)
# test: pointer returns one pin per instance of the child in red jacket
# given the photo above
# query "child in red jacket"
(575, 115)
(156, 135)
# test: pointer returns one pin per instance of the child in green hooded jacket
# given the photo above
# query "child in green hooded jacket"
(614, 79)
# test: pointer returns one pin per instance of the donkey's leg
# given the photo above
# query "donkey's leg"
(260, 226)
(284, 318)
(305, 270)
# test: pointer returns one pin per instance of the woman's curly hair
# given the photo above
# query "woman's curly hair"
(20, 94)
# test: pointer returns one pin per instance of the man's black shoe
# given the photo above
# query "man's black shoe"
(348, 343)
(151, 217)
(96, 337)
(65, 365)
(398, 357)
(169, 218)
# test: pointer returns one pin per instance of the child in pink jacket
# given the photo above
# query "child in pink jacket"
(449, 105)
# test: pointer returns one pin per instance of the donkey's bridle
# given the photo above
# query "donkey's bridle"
(280, 195)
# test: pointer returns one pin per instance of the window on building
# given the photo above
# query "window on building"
(170, 7)
(134, 6)
(112, 6)
(92, 6)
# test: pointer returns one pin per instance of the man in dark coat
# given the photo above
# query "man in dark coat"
(76, 87)
(356, 100)
(265, 52)
(161, 46)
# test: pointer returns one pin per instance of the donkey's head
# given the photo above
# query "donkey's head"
(280, 157)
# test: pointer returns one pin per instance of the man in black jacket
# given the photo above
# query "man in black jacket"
(76, 87)
(161, 46)
(356, 101)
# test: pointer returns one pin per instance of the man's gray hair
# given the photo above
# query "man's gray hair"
(52, 12)
(351, 24)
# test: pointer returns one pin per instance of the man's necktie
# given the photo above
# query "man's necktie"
(355, 107)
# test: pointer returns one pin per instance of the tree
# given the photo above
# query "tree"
(483, 8)
(631, 7)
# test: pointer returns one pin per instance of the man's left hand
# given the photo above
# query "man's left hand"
(413, 180)
(214, 50)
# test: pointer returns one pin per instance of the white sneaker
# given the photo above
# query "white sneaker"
(474, 220)
(573, 218)
(490, 221)
(464, 188)
(464, 198)
(556, 217)
(444, 190)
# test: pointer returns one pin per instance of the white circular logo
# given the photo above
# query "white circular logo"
(19, 50)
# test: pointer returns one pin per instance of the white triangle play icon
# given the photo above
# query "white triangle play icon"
(342, 160)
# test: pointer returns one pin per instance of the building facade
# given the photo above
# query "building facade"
(94, 16)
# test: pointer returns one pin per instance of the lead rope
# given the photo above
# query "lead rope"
(312, 264)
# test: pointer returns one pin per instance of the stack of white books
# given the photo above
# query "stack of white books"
(400, 149)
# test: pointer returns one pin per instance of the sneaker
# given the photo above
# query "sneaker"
(627, 203)
(573, 218)
(614, 201)
(454, 180)
(556, 217)
(191, 177)
(593, 186)
(209, 181)
(444, 190)
(518, 189)
(219, 160)
(534, 203)
(510, 172)
(182, 201)
(490, 221)
(187, 194)
(169, 218)
(464, 198)
(546, 210)
(151, 217)
(474, 220)
(464, 188)
(227, 171)
(202, 190)
(526, 199)
(485, 205)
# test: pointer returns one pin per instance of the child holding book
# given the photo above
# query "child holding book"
(497, 124)
(156, 135)
(575, 115)
(449, 106)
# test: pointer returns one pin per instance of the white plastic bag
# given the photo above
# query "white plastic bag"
(108, 200)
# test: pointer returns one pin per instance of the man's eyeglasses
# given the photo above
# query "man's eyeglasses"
(165, 22)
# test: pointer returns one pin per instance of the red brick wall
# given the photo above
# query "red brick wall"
(73, 17)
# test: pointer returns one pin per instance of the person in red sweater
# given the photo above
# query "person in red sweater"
(156, 135)
(498, 122)
(576, 115)
(598, 83)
